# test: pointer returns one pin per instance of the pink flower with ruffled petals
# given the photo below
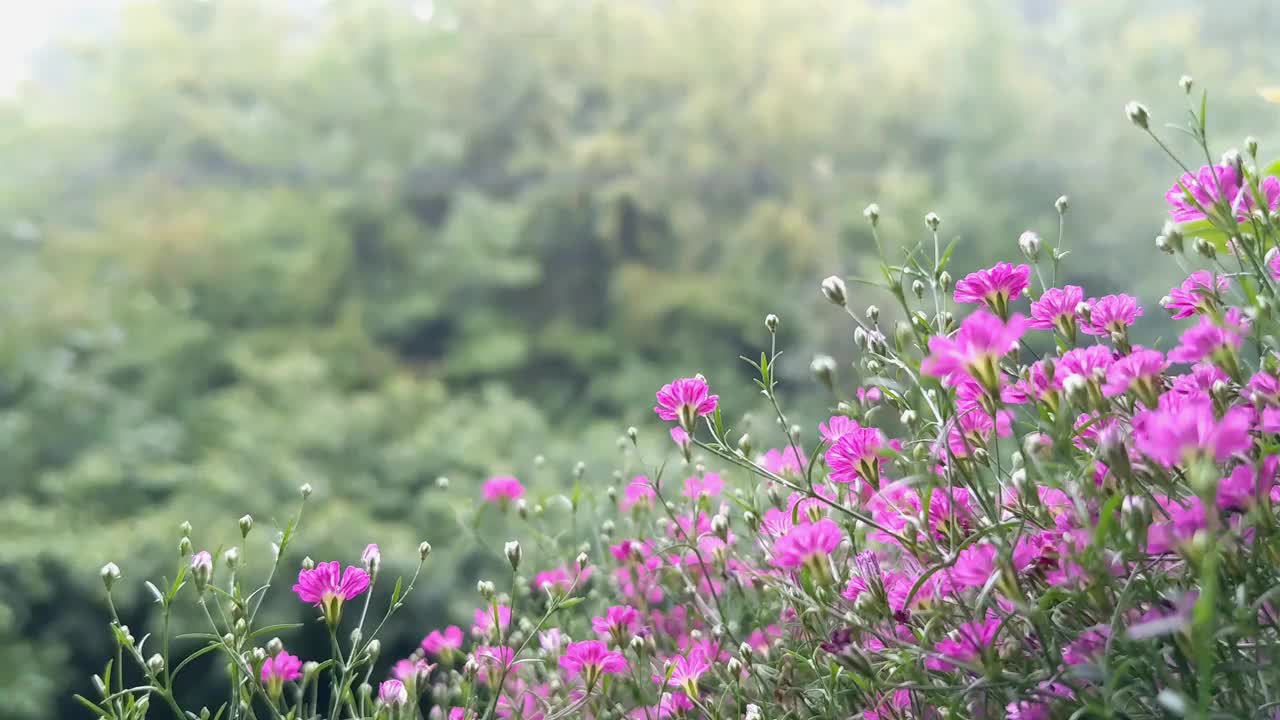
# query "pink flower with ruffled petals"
(392, 693)
(837, 425)
(484, 619)
(619, 622)
(591, 659)
(438, 643)
(409, 669)
(708, 484)
(278, 670)
(684, 400)
(788, 460)
(966, 644)
(494, 660)
(686, 671)
(1112, 314)
(502, 489)
(1212, 183)
(805, 543)
(326, 586)
(1181, 433)
(994, 287)
(1056, 309)
(637, 492)
(1207, 337)
(975, 350)
(1199, 293)
(974, 566)
(856, 454)
(1175, 523)
(1139, 369)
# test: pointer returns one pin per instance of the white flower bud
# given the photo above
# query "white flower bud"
(932, 221)
(155, 664)
(771, 322)
(305, 490)
(1029, 244)
(824, 369)
(1204, 248)
(1185, 83)
(512, 551)
(424, 550)
(834, 290)
(872, 214)
(246, 524)
(1061, 204)
(1138, 114)
(110, 574)
(231, 557)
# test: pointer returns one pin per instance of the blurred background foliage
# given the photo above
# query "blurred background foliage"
(246, 245)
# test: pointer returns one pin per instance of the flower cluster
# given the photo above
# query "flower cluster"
(1024, 513)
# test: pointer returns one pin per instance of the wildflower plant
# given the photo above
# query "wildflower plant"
(1019, 513)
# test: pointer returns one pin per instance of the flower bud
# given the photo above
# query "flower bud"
(1185, 83)
(872, 214)
(579, 470)
(246, 524)
(917, 288)
(308, 563)
(110, 574)
(258, 655)
(185, 528)
(442, 483)
(1138, 114)
(424, 550)
(275, 646)
(1232, 158)
(1204, 248)
(1029, 244)
(231, 557)
(637, 644)
(581, 560)
(371, 558)
(744, 443)
(720, 526)
(1251, 146)
(734, 666)
(184, 546)
(932, 221)
(1162, 244)
(512, 551)
(305, 490)
(944, 281)
(771, 322)
(824, 369)
(1085, 312)
(1076, 388)
(1061, 204)
(834, 290)
(486, 589)
(202, 569)
(908, 417)
(155, 664)
(373, 649)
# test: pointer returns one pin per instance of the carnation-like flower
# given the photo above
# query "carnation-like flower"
(856, 454)
(502, 489)
(619, 622)
(1207, 338)
(1056, 310)
(708, 484)
(686, 671)
(807, 544)
(442, 644)
(409, 670)
(484, 619)
(1175, 523)
(1213, 183)
(591, 659)
(1199, 293)
(974, 566)
(684, 400)
(994, 287)
(975, 350)
(494, 660)
(965, 645)
(326, 586)
(1139, 371)
(392, 693)
(1181, 433)
(278, 670)
(1112, 314)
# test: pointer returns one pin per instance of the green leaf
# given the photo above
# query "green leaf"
(1272, 169)
(395, 594)
(272, 629)
(199, 653)
(569, 603)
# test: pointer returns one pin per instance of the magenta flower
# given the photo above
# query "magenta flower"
(856, 454)
(619, 622)
(502, 489)
(686, 671)
(1056, 309)
(837, 425)
(410, 669)
(788, 460)
(1181, 433)
(484, 619)
(324, 588)
(1199, 293)
(807, 544)
(440, 644)
(1112, 314)
(1088, 647)
(494, 660)
(1273, 266)
(974, 566)
(966, 644)
(278, 670)
(1206, 338)
(1140, 371)
(975, 350)
(1212, 183)
(680, 437)
(371, 558)
(392, 693)
(591, 659)
(708, 484)
(994, 287)
(637, 492)
(1180, 521)
(1264, 385)
(684, 400)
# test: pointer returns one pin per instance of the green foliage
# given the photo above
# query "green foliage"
(248, 245)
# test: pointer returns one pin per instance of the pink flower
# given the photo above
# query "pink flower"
(371, 558)
(784, 461)
(1212, 183)
(324, 588)
(994, 287)
(409, 669)
(1207, 337)
(591, 659)
(1142, 367)
(686, 671)
(484, 619)
(1197, 294)
(1240, 491)
(1037, 707)
(680, 437)
(1112, 314)
(708, 484)
(278, 670)
(856, 453)
(975, 350)
(502, 489)
(557, 579)
(392, 693)
(1087, 648)
(619, 621)
(805, 543)
(457, 713)
(966, 644)
(202, 569)
(1263, 384)
(1273, 265)
(1091, 363)
(974, 566)
(494, 660)
(637, 492)
(837, 425)
(1056, 309)
(440, 643)
(685, 400)
(1175, 523)
(1174, 434)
